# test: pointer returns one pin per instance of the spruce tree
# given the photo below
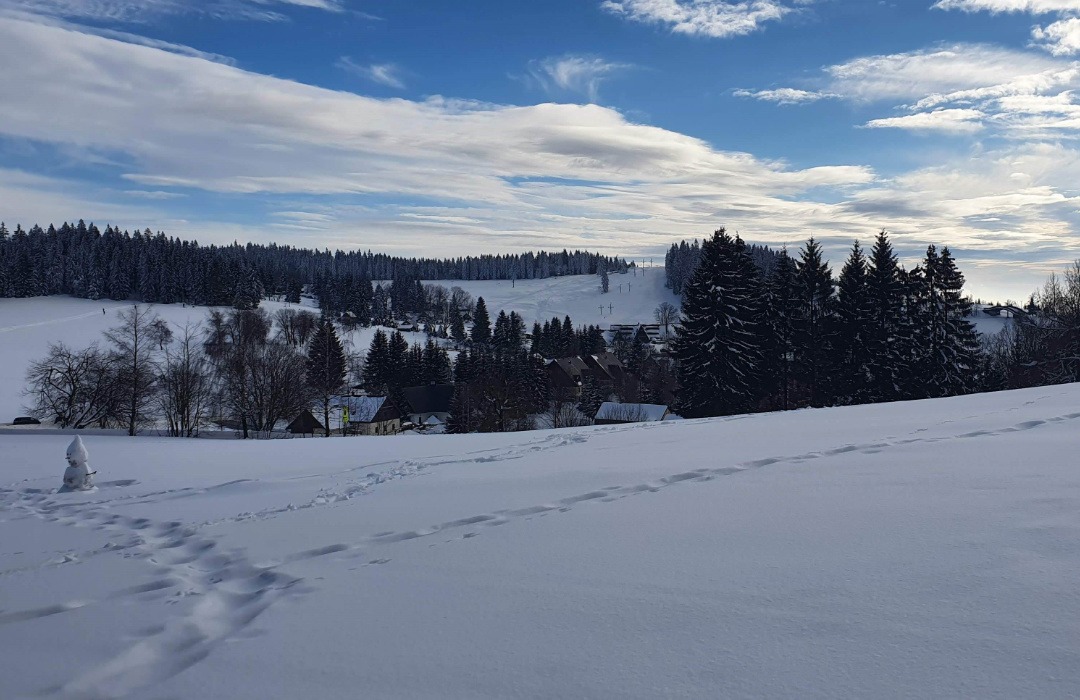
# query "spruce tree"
(852, 326)
(500, 338)
(378, 371)
(781, 305)
(590, 399)
(537, 346)
(815, 284)
(717, 346)
(457, 326)
(884, 289)
(326, 367)
(481, 330)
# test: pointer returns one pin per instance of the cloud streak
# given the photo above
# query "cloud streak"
(138, 11)
(387, 74)
(580, 75)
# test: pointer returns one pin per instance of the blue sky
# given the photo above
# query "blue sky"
(438, 128)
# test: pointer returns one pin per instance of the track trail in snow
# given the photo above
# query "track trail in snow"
(50, 322)
(229, 591)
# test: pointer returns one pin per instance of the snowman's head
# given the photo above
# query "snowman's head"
(73, 461)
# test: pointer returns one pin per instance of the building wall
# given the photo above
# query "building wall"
(386, 427)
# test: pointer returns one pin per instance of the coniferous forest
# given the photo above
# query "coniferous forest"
(793, 334)
(82, 261)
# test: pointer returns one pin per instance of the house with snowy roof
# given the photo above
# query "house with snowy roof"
(612, 413)
(370, 415)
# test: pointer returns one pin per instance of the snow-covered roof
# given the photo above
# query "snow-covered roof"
(362, 409)
(631, 412)
(433, 420)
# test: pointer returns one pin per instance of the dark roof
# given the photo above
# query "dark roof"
(305, 423)
(559, 376)
(430, 398)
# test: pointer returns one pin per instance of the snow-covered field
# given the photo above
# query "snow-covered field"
(28, 326)
(927, 549)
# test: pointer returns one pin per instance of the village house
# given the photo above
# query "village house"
(426, 402)
(305, 424)
(371, 415)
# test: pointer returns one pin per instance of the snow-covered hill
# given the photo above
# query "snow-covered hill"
(925, 549)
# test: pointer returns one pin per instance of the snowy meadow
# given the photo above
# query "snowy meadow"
(923, 549)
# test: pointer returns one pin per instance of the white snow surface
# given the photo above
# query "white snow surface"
(926, 549)
(575, 295)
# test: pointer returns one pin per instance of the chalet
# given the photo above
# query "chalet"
(371, 415)
(611, 413)
(305, 424)
(608, 369)
(424, 402)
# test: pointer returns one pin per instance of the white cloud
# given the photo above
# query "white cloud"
(1062, 38)
(785, 96)
(712, 18)
(951, 120)
(960, 89)
(582, 75)
(918, 74)
(387, 74)
(999, 6)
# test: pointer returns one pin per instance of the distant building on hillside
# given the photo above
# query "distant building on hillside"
(424, 402)
(612, 413)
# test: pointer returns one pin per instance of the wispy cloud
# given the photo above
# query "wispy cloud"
(785, 96)
(137, 11)
(960, 89)
(1001, 6)
(580, 75)
(953, 120)
(718, 19)
(388, 74)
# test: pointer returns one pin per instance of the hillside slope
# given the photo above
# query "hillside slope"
(926, 549)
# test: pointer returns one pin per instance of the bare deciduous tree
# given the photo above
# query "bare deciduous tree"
(73, 388)
(136, 344)
(295, 327)
(185, 384)
(666, 314)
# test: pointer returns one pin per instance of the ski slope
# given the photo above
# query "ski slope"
(925, 549)
(632, 298)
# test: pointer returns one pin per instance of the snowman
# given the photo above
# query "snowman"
(77, 476)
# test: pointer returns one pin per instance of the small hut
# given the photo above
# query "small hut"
(305, 424)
